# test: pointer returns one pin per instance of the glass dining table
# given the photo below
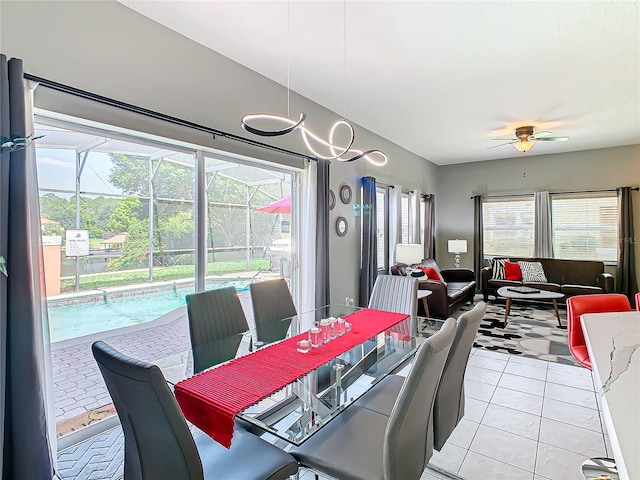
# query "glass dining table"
(303, 406)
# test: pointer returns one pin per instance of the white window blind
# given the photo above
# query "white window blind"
(381, 228)
(405, 218)
(508, 226)
(422, 213)
(585, 227)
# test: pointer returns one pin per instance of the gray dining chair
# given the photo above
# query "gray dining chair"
(361, 444)
(216, 326)
(448, 408)
(395, 293)
(272, 303)
(157, 442)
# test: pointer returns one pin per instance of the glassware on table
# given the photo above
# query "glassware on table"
(347, 327)
(333, 328)
(325, 326)
(340, 330)
(303, 346)
(315, 336)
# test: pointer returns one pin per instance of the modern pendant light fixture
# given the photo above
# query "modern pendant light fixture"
(344, 153)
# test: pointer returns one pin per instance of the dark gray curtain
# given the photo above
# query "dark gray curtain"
(478, 239)
(626, 279)
(543, 235)
(369, 253)
(26, 453)
(322, 236)
(430, 226)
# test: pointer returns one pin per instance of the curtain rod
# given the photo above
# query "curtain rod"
(409, 190)
(61, 87)
(554, 193)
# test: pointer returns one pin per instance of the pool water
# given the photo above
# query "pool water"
(72, 321)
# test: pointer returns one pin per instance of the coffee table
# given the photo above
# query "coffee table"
(510, 295)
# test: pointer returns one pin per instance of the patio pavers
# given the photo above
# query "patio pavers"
(79, 391)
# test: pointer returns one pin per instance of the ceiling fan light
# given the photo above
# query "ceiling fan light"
(524, 146)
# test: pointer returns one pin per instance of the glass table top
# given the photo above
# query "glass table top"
(302, 407)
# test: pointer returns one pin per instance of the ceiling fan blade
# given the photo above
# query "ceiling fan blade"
(551, 139)
(505, 139)
(544, 133)
(503, 144)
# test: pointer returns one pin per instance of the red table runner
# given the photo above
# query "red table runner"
(211, 399)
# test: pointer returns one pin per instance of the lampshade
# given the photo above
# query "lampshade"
(409, 253)
(523, 146)
(457, 246)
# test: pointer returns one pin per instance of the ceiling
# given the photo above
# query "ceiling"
(440, 79)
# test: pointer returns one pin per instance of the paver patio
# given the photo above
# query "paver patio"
(80, 392)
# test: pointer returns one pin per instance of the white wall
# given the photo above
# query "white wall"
(108, 49)
(605, 168)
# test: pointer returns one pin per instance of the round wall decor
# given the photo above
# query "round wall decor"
(342, 227)
(332, 199)
(345, 194)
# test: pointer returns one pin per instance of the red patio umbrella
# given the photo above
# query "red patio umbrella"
(280, 206)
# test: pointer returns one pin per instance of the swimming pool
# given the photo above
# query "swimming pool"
(72, 321)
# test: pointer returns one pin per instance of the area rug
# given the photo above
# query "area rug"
(532, 331)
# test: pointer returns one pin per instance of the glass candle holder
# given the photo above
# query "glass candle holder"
(340, 330)
(325, 326)
(333, 328)
(315, 336)
(303, 346)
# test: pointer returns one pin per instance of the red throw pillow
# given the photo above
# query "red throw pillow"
(431, 273)
(512, 271)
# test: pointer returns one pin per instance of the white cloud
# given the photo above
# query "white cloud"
(54, 162)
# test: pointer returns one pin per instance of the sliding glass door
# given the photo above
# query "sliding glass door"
(119, 224)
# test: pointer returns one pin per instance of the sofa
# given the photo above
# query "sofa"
(458, 288)
(569, 277)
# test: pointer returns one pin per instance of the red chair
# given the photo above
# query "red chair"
(581, 304)
(638, 301)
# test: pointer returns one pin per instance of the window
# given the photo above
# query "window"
(585, 227)
(423, 206)
(134, 213)
(404, 218)
(508, 226)
(381, 226)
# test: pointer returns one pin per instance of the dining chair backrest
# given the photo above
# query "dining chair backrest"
(157, 441)
(408, 442)
(395, 293)
(581, 304)
(272, 303)
(448, 408)
(216, 325)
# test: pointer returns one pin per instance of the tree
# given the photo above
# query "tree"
(58, 209)
(123, 216)
(130, 173)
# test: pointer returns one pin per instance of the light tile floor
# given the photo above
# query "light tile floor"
(525, 419)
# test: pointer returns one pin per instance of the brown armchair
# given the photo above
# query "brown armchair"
(458, 288)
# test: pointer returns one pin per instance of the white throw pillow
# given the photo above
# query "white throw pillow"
(532, 272)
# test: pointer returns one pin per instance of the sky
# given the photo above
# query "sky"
(56, 170)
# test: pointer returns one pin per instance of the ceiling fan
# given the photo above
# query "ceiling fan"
(525, 139)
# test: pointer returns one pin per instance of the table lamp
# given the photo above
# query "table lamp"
(457, 246)
(409, 253)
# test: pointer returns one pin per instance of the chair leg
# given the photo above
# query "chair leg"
(600, 468)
